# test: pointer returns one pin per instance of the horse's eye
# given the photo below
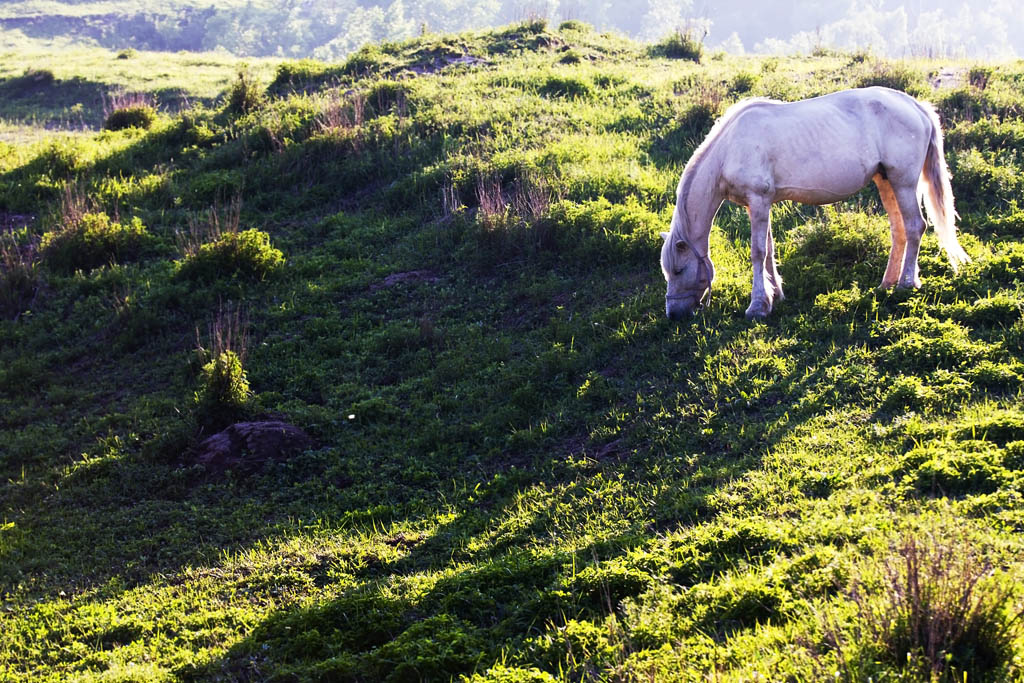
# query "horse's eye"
(679, 272)
(681, 246)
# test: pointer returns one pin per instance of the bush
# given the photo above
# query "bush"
(223, 395)
(981, 180)
(93, 240)
(247, 254)
(679, 45)
(141, 116)
(245, 94)
(370, 59)
(743, 82)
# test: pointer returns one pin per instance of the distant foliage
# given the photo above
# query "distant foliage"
(94, 240)
(141, 116)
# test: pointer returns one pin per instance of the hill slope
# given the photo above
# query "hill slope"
(439, 260)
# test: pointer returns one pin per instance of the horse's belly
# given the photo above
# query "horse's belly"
(817, 195)
(823, 186)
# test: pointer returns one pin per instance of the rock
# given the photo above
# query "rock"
(248, 445)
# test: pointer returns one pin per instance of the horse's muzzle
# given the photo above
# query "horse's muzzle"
(683, 306)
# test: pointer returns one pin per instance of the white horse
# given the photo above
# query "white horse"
(815, 151)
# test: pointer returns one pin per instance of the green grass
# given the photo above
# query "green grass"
(521, 469)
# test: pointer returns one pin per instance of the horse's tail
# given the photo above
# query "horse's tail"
(935, 190)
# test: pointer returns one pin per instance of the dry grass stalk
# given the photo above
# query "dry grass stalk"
(342, 112)
(209, 226)
(228, 330)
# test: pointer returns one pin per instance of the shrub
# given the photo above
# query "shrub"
(247, 253)
(141, 116)
(935, 608)
(981, 180)
(696, 122)
(38, 77)
(127, 54)
(245, 94)
(679, 45)
(223, 394)
(743, 82)
(571, 57)
(368, 60)
(979, 76)
(93, 240)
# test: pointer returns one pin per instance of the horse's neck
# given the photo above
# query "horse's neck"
(699, 198)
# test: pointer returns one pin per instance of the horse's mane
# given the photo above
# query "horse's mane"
(705, 147)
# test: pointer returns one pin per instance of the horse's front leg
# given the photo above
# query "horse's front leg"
(763, 292)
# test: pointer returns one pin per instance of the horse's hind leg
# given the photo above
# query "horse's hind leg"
(899, 236)
(913, 228)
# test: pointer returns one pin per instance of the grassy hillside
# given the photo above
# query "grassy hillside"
(439, 260)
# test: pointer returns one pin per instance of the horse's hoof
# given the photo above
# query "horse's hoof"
(757, 312)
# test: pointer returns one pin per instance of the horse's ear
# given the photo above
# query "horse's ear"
(664, 236)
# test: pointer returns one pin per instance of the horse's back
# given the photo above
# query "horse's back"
(823, 149)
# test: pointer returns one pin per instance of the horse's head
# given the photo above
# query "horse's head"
(689, 275)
